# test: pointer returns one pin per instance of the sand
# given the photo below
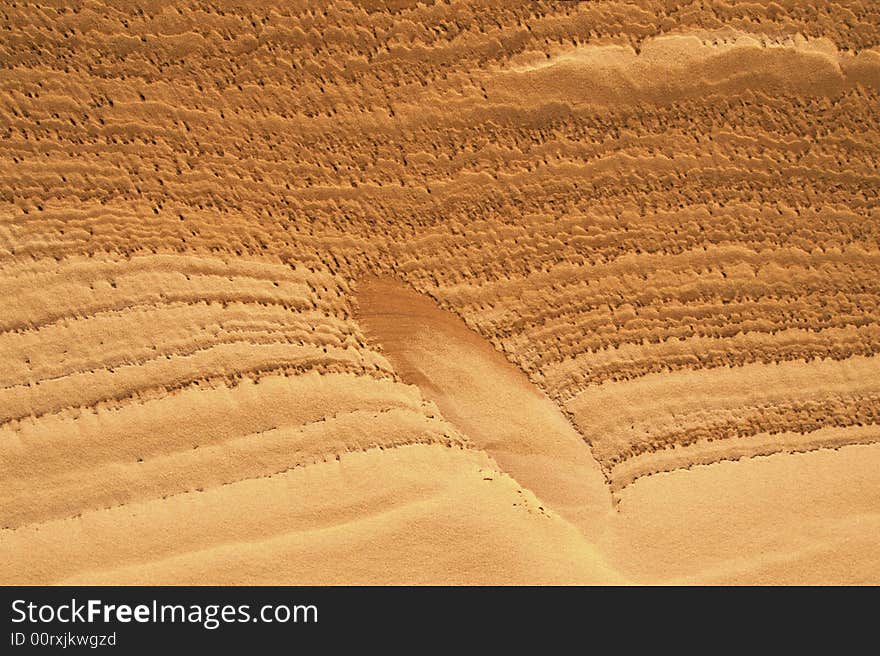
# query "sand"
(405, 293)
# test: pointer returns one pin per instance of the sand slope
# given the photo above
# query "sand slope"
(807, 518)
(487, 398)
(633, 330)
(417, 514)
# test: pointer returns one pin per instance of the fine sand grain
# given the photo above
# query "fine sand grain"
(399, 292)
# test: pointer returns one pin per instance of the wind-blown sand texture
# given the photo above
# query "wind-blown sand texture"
(397, 292)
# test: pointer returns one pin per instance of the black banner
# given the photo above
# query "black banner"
(128, 620)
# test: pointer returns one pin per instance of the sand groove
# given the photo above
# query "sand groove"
(487, 398)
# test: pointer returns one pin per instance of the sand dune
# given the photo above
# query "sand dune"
(440, 293)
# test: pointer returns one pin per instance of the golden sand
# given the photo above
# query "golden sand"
(397, 292)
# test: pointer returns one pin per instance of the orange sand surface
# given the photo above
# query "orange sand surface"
(440, 292)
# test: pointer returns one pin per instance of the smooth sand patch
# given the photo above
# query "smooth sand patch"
(487, 398)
